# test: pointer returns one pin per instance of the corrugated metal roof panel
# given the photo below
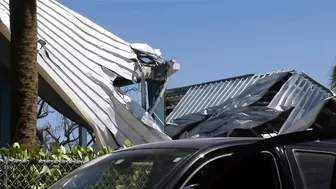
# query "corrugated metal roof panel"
(79, 39)
(80, 61)
(200, 97)
(301, 92)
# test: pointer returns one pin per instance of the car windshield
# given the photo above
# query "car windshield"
(136, 169)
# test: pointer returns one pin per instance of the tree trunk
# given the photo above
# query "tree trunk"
(24, 77)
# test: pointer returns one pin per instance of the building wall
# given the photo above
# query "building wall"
(4, 92)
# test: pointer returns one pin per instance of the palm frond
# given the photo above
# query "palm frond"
(333, 78)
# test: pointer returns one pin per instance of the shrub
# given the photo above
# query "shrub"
(31, 167)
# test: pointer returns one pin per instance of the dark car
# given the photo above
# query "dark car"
(290, 161)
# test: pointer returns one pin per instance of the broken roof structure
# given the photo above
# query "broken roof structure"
(248, 105)
(80, 65)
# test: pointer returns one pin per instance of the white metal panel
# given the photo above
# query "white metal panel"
(80, 61)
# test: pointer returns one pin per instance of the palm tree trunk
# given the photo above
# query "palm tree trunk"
(24, 77)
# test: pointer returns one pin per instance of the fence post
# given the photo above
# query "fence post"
(4, 169)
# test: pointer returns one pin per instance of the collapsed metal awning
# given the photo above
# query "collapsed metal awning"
(199, 97)
(78, 63)
(251, 105)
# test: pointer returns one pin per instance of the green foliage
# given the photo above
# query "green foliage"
(135, 177)
(37, 152)
(128, 143)
(32, 174)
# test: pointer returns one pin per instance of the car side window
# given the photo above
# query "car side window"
(315, 168)
(258, 172)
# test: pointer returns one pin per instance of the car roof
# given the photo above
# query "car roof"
(197, 143)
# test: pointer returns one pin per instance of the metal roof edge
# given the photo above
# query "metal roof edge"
(208, 82)
(317, 83)
(172, 90)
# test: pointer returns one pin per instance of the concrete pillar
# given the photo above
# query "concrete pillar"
(82, 132)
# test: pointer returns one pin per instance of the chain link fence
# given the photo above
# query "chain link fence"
(40, 174)
(33, 174)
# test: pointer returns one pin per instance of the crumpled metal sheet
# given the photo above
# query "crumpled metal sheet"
(300, 97)
(148, 52)
(212, 94)
(213, 121)
(250, 95)
(301, 92)
(309, 118)
(227, 123)
(184, 124)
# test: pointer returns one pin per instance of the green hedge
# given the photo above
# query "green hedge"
(37, 152)
(31, 174)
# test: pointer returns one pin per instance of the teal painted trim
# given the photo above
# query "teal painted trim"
(4, 109)
(159, 114)
(82, 132)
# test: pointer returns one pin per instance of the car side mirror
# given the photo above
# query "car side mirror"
(192, 186)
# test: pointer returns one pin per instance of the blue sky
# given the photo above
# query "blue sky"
(219, 39)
